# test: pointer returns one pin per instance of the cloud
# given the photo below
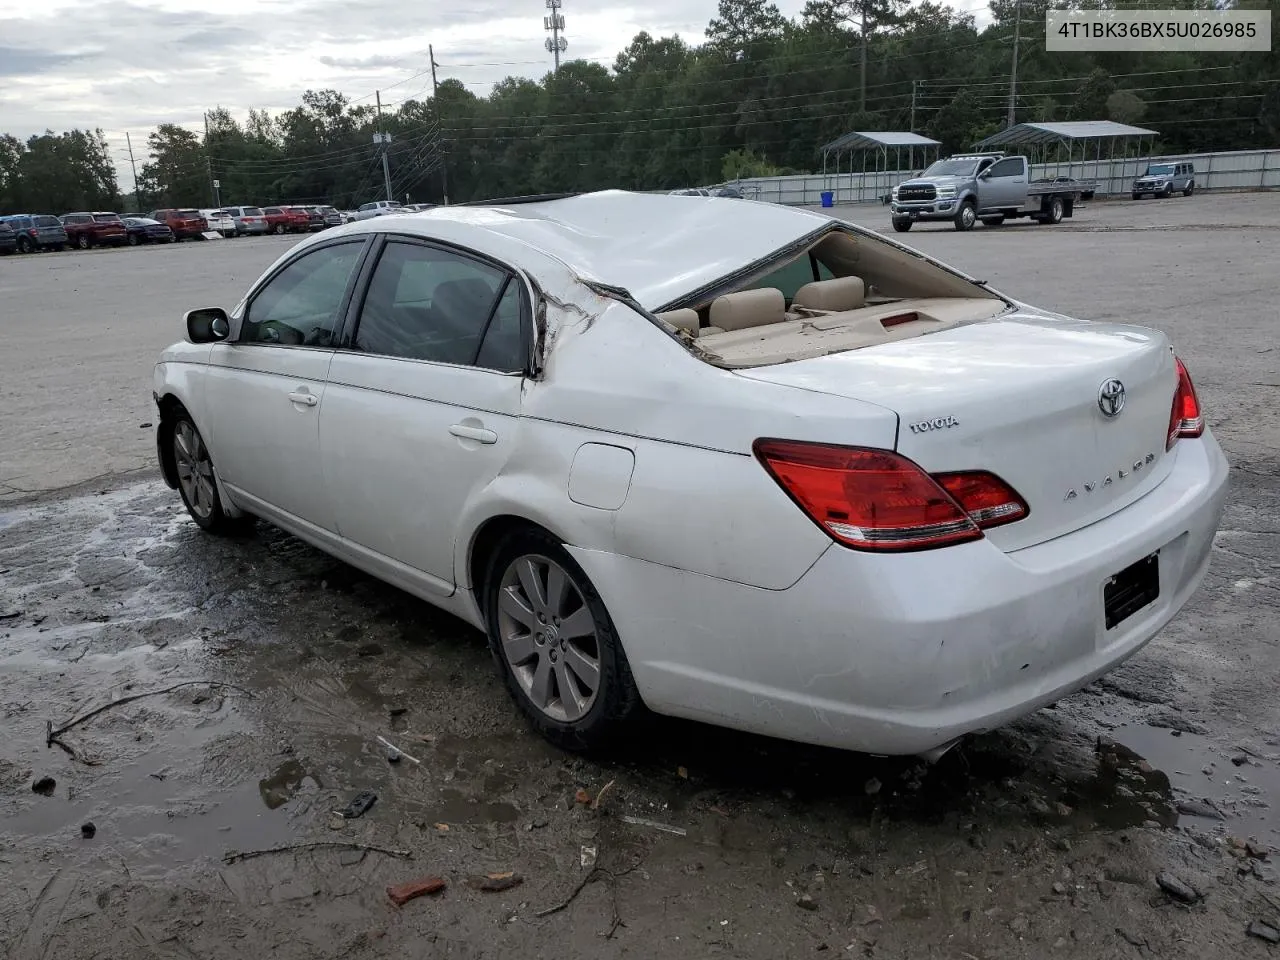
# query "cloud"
(362, 63)
(22, 62)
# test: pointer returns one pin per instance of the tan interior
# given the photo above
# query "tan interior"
(880, 293)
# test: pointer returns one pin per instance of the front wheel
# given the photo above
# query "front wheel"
(902, 224)
(280, 229)
(555, 644)
(966, 216)
(1191, 188)
(198, 481)
(1137, 196)
(1167, 191)
(133, 239)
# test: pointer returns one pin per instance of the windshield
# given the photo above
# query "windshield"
(951, 168)
(1160, 170)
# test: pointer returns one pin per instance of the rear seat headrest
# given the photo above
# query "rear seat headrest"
(685, 319)
(838, 293)
(748, 308)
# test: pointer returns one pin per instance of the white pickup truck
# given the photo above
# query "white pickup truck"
(989, 187)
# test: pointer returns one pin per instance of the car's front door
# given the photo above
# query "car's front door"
(265, 385)
(422, 405)
(1005, 186)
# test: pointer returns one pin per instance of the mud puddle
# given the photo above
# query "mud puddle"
(1218, 787)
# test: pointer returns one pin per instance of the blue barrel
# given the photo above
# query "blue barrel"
(828, 198)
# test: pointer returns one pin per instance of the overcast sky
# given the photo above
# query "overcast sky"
(131, 64)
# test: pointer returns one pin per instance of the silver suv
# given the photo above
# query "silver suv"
(1164, 179)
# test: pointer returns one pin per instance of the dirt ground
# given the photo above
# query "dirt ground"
(1042, 839)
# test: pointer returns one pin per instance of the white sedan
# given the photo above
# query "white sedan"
(723, 459)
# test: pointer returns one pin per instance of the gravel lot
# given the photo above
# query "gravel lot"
(1043, 839)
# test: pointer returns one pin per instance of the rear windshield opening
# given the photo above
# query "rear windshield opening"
(47, 222)
(252, 212)
(845, 291)
(105, 218)
(188, 214)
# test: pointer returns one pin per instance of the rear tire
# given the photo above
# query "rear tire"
(1053, 213)
(993, 221)
(83, 242)
(198, 479)
(24, 245)
(555, 644)
(902, 224)
(966, 216)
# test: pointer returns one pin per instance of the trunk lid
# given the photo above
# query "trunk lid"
(1019, 396)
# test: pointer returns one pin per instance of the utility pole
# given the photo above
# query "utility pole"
(911, 151)
(384, 140)
(137, 203)
(1013, 69)
(208, 163)
(554, 22)
(435, 105)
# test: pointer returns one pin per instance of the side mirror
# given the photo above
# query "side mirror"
(207, 325)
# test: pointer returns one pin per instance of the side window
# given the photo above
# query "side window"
(1010, 167)
(302, 304)
(427, 304)
(793, 276)
(503, 345)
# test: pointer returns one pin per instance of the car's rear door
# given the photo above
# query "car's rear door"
(422, 404)
(265, 386)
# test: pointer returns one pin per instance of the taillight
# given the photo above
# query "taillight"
(33, 232)
(1186, 418)
(867, 499)
(989, 501)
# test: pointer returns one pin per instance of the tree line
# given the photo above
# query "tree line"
(757, 96)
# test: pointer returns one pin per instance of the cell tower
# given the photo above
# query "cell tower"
(554, 21)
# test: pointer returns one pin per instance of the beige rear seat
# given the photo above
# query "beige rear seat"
(836, 294)
(748, 308)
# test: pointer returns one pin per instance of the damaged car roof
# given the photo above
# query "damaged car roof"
(655, 246)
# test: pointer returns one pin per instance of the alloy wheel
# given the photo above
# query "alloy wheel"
(195, 469)
(548, 637)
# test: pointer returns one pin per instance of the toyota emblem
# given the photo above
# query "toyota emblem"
(1111, 398)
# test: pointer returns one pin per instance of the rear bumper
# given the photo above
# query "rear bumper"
(900, 654)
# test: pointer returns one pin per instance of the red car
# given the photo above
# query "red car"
(184, 222)
(86, 230)
(287, 219)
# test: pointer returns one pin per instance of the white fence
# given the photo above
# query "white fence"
(1238, 170)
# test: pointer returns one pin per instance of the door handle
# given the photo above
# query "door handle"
(473, 433)
(310, 399)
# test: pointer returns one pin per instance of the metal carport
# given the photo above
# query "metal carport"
(1043, 139)
(873, 145)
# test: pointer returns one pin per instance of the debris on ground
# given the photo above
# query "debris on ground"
(1177, 889)
(682, 773)
(872, 787)
(806, 902)
(313, 845)
(1263, 931)
(595, 804)
(654, 824)
(582, 797)
(87, 830)
(1199, 808)
(587, 857)
(359, 804)
(394, 753)
(495, 882)
(404, 892)
(44, 786)
(1059, 888)
(441, 827)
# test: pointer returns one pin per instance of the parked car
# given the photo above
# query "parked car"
(250, 221)
(989, 187)
(348, 216)
(418, 207)
(963, 507)
(8, 238)
(220, 221)
(731, 192)
(378, 208)
(315, 219)
(1165, 179)
(86, 230)
(691, 192)
(146, 230)
(186, 224)
(37, 231)
(332, 218)
(287, 219)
